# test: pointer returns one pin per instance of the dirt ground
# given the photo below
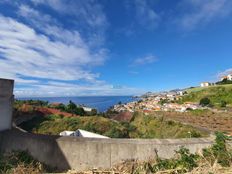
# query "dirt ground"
(213, 121)
(203, 168)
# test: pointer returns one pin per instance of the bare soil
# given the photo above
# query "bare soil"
(212, 121)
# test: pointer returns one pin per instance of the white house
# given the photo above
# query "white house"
(229, 77)
(82, 133)
(205, 84)
(87, 109)
(224, 77)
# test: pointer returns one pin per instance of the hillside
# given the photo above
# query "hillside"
(141, 126)
(216, 94)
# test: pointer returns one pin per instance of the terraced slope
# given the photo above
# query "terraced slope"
(210, 120)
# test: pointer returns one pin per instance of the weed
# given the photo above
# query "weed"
(219, 151)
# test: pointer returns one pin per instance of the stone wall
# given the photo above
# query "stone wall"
(85, 153)
(6, 103)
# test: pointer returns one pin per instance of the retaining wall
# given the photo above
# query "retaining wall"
(84, 153)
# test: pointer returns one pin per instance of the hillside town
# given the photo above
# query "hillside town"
(165, 101)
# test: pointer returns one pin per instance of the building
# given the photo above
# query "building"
(87, 109)
(82, 133)
(229, 77)
(223, 78)
(205, 84)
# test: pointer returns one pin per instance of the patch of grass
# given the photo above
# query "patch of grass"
(20, 162)
(216, 94)
(141, 126)
(147, 126)
(54, 124)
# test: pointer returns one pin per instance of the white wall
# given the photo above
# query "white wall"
(6, 103)
(229, 77)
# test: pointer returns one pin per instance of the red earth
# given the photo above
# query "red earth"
(49, 111)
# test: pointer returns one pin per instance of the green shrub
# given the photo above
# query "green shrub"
(205, 101)
(219, 151)
(184, 162)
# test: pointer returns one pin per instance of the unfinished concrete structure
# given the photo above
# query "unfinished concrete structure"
(6, 103)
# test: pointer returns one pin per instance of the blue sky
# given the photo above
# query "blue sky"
(113, 47)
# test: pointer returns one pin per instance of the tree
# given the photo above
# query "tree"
(205, 101)
(224, 82)
(71, 107)
(79, 111)
(163, 101)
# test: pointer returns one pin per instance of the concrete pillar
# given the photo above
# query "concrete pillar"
(6, 103)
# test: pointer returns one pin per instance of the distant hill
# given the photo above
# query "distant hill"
(216, 94)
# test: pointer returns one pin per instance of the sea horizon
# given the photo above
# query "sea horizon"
(101, 103)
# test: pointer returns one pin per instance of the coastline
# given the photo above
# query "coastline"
(101, 103)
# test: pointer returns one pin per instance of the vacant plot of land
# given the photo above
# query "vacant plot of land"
(214, 121)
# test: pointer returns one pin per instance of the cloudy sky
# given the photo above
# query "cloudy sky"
(113, 47)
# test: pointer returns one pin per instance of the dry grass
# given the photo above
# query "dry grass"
(128, 167)
(27, 169)
(20, 163)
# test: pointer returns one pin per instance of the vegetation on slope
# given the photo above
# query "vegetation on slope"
(54, 124)
(141, 126)
(71, 107)
(149, 126)
(218, 95)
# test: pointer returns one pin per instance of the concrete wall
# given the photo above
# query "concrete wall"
(85, 153)
(6, 102)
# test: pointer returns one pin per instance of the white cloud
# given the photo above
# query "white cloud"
(35, 55)
(46, 59)
(201, 12)
(146, 16)
(88, 11)
(144, 60)
(224, 73)
(54, 89)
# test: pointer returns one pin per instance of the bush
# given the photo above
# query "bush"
(74, 109)
(224, 82)
(223, 104)
(219, 151)
(205, 101)
(185, 162)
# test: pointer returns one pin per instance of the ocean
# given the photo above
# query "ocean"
(101, 103)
